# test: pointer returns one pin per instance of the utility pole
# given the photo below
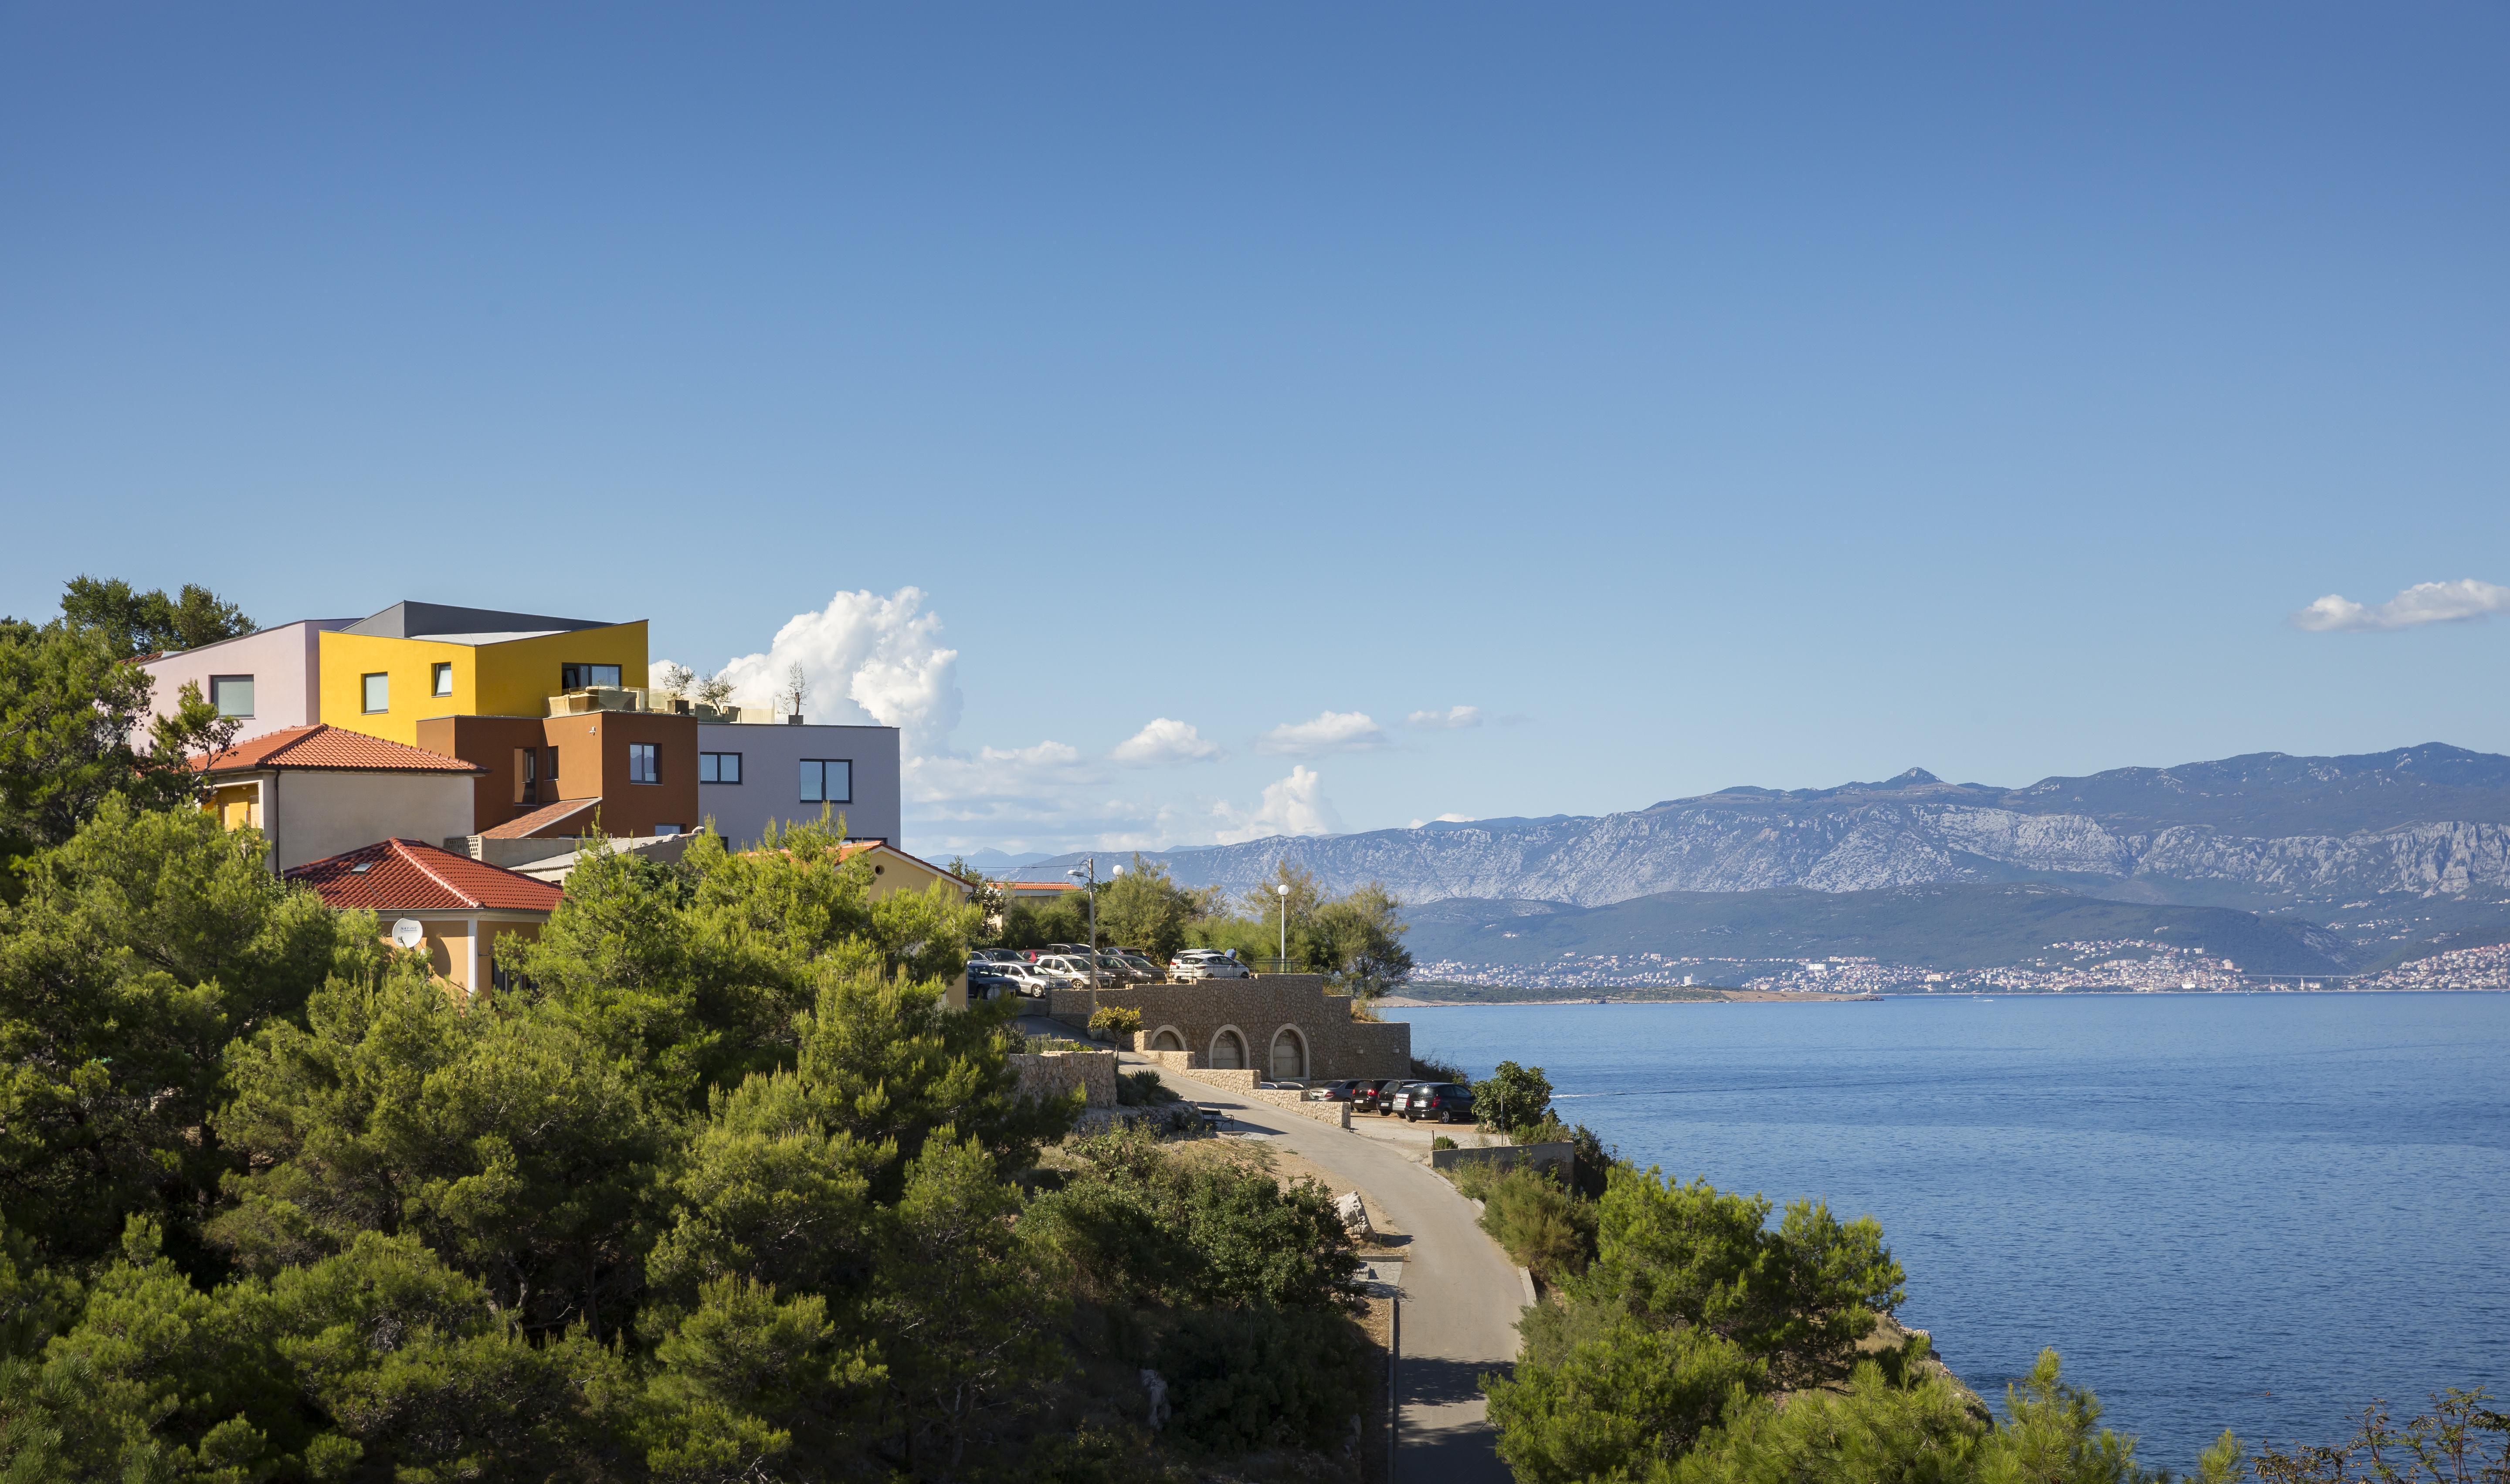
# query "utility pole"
(1282, 965)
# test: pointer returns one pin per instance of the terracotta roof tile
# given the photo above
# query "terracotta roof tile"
(409, 876)
(324, 746)
(524, 827)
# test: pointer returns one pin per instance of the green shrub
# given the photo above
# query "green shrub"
(1142, 1089)
(1513, 1098)
(1441, 1141)
(1116, 1021)
(1263, 1378)
(1430, 1069)
(1544, 1227)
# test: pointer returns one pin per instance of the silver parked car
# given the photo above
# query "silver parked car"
(1064, 970)
(1206, 964)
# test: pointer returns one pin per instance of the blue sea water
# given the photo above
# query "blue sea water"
(2252, 1212)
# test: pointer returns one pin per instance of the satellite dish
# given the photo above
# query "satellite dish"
(406, 932)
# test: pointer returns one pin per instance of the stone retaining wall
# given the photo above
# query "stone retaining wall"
(1260, 1012)
(1243, 1085)
(1043, 1075)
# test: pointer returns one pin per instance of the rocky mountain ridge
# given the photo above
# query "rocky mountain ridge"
(2262, 831)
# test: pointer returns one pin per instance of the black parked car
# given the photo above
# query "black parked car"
(1381, 1098)
(1447, 1102)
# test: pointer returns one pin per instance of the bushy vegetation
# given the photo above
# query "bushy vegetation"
(1238, 1289)
(718, 1191)
(1355, 941)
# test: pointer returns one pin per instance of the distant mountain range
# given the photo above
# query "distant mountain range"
(2395, 852)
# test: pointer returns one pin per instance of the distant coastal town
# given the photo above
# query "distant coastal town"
(2108, 966)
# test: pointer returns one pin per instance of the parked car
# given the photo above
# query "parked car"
(1382, 1101)
(1334, 1091)
(1447, 1102)
(1145, 966)
(1023, 977)
(1206, 964)
(991, 981)
(1113, 969)
(1063, 970)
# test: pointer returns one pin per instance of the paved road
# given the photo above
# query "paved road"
(1460, 1294)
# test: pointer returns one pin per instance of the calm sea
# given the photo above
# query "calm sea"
(2253, 1211)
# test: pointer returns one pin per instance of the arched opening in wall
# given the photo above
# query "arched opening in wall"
(1168, 1040)
(1289, 1055)
(1228, 1052)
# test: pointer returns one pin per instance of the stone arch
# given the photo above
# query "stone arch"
(1228, 1050)
(1167, 1038)
(1288, 1061)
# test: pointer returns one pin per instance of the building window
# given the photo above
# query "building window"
(443, 678)
(526, 790)
(231, 695)
(644, 763)
(551, 775)
(585, 677)
(827, 781)
(378, 693)
(718, 767)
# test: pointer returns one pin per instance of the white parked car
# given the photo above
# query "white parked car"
(1206, 964)
(1063, 970)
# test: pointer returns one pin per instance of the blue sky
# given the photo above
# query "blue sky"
(1780, 395)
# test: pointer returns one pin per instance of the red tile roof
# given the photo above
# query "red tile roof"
(324, 746)
(407, 876)
(524, 827)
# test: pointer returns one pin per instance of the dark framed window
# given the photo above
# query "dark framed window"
(231, 695)
(718, 767)
(644, 763)
(585, 677)
(827, 781)
(442, 678)
(377, 689)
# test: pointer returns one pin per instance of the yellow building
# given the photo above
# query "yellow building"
(386, 673)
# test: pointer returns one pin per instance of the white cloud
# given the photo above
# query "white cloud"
(2417, 605)
(1295, 805)
(868, 659)
(1330, 732)
(1453, 717)
(1166, 741)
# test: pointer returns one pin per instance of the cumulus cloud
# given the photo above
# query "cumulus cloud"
(868, 659)
(1450, 718)
(2417, 605)
(1295, 805)
(1329, 732)
(1166, 741)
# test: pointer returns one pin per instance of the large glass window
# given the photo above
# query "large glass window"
(827, 781)
(584, 677)
(231, 695)
(443, 677)
(378, 693)
(718, 767)
(644, 763)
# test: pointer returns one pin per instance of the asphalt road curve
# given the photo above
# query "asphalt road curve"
(1462, 1296)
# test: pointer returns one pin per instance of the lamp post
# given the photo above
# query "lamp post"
(1093, 932)
(1281, 964)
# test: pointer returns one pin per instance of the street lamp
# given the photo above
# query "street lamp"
(1281, 964)
(1093, 930)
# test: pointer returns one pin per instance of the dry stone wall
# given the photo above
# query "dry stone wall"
(1044, 1075)
(1264, 1016)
